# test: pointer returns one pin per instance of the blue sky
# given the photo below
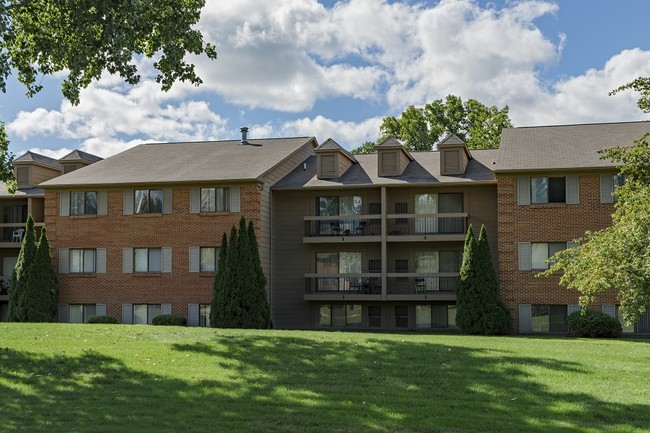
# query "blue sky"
(335, 69)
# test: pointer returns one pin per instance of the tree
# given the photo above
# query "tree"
(618, 256)
(86, 38)
(240, 299)
(41, 290)
(366, 147)
(420, 128)
(479, 307)
(21, 271)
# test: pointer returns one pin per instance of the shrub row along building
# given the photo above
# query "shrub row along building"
(346, 241)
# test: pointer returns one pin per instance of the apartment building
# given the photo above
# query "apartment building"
(347, 241)
(138, 234)
(31, 169)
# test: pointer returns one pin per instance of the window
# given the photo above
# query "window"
(340, 316)
(541, 252)
(401, 317)
(548, 318)
(374, 208)
(374, 265)
(81, 313)
(147, 259)
(143, 314)
(337, 263)
(548, 190)
(204, 315)
(83, 203)
(401, 266)
(215, 199)
(82, 261)
(209, 259)
(435, 316)
(439, 204)
(374, 316)
(148, 201)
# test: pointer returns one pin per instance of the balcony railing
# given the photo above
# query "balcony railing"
(4, 287)
(409, 284)
(426, 224)
(14, 232)
(360, 283)
(343, 225)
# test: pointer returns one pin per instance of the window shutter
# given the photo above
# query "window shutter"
(388, 163)
(525, 325)
(127, 260)
(102, 202)
(127, 314)
(192, 314)
(609, 309)
(64, 260)
(235, 205)
(63, 313)
(523, 190)
(572, 308)
(100, 309)
(64, 206)
(22, 177)
(452, 161)
(572, 190)
(166, 259)
(167, 200)
(128, 202)
(606, 188)
(165, 308)
(572, 244)
(328, 165)
(100, 257)
(525, 257)
(195, 259)
(195, 200)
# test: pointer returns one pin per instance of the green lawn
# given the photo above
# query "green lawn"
(100, 378)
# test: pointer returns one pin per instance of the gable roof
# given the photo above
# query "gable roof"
(31, 157)
(563, 147)
(80, 155)
(164, 163)
(331, 145)
(391, 142)
(451, 140)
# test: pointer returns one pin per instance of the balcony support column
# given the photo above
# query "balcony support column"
(384, 249)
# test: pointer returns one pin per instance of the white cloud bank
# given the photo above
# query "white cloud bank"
(287, 55)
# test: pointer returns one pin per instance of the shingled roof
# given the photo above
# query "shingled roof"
(31, 157)
(165, 163)
(80, 155)
(563, 147)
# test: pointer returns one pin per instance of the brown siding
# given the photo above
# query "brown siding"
(41, 174)
(544, 223)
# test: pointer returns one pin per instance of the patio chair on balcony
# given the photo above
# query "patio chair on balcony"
(420, 285)
(361, 228)
(17, 235)
(335, 228)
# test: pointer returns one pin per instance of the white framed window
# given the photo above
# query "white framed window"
(148, 201)
(204, 315)
(435, 316)
(83, 260)
(83, 203)
(147, 259)
(143, 314)
(542, 251)
(215, 199)
(209, 259)
(548, 318)
(340, 316)
(548, 189)
(81, 313)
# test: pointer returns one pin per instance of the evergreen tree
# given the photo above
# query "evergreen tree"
(479, 308)
(41, 287)
(263, 315)
(230, 310)
(25, 260)
(218, 297)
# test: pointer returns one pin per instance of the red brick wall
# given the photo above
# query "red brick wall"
(556, 222)
(179, 230)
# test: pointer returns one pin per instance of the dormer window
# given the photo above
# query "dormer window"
(332, 160)
(454, 156)
(328, 166)
(393, 157)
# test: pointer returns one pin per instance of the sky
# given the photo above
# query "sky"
(335, 69)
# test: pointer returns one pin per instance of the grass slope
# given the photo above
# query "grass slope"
(104, 378)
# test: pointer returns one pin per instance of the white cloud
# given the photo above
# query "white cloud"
(347, 134)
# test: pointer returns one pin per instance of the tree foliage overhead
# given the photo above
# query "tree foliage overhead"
(86, 37)
(366, 147)
(618, 256)
(420, 128)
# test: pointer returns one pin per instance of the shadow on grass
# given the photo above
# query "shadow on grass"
(287, 384)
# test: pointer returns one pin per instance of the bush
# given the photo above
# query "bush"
(169, 320)
(590, 323)
(103, 319)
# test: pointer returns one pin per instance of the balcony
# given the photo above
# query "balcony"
(342, 228)
(427, 227)
(420, 286)
(11, 234)
(334, 287)
(4, 288)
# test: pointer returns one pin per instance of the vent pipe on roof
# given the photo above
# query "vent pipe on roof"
(244, 135)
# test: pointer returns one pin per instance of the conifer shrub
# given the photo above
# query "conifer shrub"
(595, 324)
(103, 320)
(169, 320)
